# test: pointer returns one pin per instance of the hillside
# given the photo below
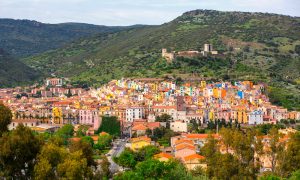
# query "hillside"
(13, 72)
(256, 46)
(24, 37)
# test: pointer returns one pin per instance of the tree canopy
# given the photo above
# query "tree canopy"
(5, 118)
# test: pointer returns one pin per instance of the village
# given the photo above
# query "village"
(138, 105)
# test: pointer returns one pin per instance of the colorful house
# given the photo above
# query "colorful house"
(139, 142)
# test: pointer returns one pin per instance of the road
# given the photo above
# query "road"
(118, 148)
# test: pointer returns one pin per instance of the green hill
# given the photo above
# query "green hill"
(256, 46)
(13, 72)
(24, 37)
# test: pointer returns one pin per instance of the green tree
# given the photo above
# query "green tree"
(18, 153)
(85, 148)
(74, 167)
(295, 175)
(110, 125)
(126, 159)
(147, 152)
(88, 139)
(65, 132)
(104, 141)
(5, 118)
(226, 135)
(50, 156)
(163, 118)
(289, 157)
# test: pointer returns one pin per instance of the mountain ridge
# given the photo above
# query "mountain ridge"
(22, 38)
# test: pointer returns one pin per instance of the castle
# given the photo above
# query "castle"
(170, 56)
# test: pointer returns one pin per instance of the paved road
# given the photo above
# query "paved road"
(115, 152)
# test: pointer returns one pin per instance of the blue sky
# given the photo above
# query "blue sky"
(128, 12)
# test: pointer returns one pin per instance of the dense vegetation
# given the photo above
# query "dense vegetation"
(110, 125)
(23, 37)
(256, 46)
(13, 72)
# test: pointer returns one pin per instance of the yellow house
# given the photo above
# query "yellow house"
(211, 115)
(240, 114)
(215, 92)
(137, 143)
(203, 84)
(57, 115)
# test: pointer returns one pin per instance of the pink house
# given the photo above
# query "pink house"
(184, 150)
(89, 117)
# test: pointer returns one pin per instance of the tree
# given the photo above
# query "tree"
(55, 162)
(154, 169)
(226, 135)
(88, 139)
(163, 118)
(43, 170)
(275, 147)
(82, 130)
(5, 118)
(74, 167)
(65, 132)
(104, 164)
(126, 159)
(193, 126)
(295, 175)
(18, 153)
(50, 156)
(289, 157)
(86, 149)
(147, 152)
(110, 125)
(104, 141)
(297, 49)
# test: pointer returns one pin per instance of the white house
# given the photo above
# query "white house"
(134, 113)
(179, 126)
(26, 122)
(255, 117)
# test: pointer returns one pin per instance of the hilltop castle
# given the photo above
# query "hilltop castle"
(170, 56)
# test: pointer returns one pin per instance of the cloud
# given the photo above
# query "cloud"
(127, 12)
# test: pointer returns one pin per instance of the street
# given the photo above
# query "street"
(116, 150)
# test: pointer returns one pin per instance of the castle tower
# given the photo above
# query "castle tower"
(207, 47)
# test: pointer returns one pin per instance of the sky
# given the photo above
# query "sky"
(129, 12)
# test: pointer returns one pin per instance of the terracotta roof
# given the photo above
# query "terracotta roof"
(153, 125)
(139, 127)
(193, 156)
(185, 146)
(162, 154)
(95, 138)
(181, 141)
